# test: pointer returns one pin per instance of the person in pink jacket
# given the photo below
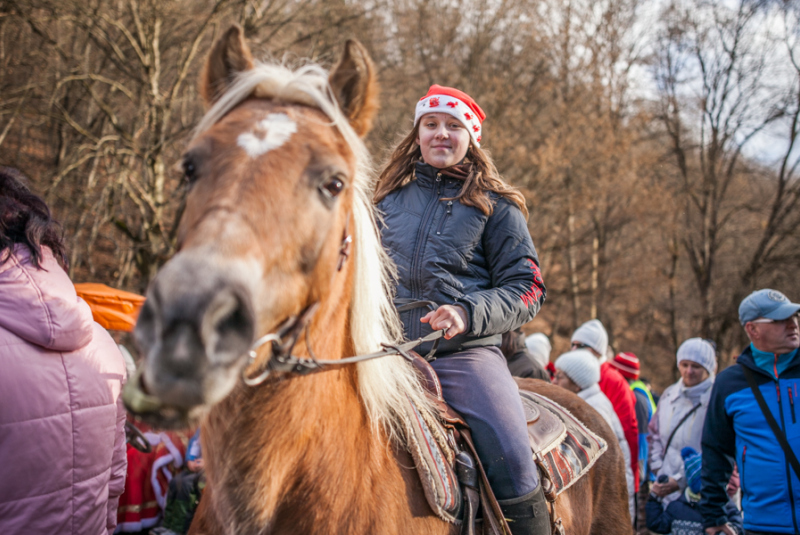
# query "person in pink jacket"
(62, 437)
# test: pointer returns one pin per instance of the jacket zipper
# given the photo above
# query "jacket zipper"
(786, 461)
(447, 213)
(416, 263)
(741, 473)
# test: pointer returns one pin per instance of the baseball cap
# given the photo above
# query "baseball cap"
(766, 303)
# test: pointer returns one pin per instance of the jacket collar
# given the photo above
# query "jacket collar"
(426, 177)
(425, 174)
(746, 359)
(700, 392)
(696, 392)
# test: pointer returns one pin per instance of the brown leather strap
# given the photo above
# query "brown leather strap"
(493, 518)
(450, 416)
(491, 523)
(470, 513)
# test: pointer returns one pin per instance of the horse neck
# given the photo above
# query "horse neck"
(302, 439)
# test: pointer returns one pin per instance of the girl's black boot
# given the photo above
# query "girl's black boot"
(527, 515)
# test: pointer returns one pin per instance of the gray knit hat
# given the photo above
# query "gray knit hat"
(699, 351)
(580, 366)
(593, 334)
(539, 346)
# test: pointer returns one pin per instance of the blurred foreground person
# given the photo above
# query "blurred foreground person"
(62, 438)
(752, 419)
(679, 417)
(579, 371)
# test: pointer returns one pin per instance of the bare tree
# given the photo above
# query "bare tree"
(717, 94)
(115, 92)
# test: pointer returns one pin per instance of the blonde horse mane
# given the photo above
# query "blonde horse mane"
(385, 383)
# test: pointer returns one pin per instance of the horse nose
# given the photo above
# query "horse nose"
(194, 329)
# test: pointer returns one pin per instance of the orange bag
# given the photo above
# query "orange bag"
(113, 309)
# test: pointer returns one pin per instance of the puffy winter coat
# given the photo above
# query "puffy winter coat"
(599, 402)
(622, 398)
(62, 438)
(450, 253)
(675, 402)
(736, 428)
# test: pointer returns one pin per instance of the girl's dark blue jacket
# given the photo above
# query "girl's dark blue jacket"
(451, 253)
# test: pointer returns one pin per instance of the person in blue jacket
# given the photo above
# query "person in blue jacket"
(681, 516)
(459, 238)
(735, 427)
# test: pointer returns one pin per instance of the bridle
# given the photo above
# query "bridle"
(284, 338)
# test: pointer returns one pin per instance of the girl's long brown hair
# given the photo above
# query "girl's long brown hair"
(484, 176)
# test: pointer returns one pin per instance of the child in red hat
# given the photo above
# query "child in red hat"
(459, 237)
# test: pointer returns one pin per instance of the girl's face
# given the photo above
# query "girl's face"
(442, 139)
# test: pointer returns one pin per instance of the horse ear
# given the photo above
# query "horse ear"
(356, 87)
(229, 56)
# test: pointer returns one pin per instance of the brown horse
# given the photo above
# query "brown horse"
(279, 181)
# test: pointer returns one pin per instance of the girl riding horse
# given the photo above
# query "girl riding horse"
(458, 236)
(278, 220)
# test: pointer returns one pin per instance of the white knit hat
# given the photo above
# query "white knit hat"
(539, 346)
(593, 334)
(699, 351)
(580, 366)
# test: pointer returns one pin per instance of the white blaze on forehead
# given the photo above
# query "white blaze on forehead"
(267, 134)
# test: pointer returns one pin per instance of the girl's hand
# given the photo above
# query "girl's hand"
(450, 318)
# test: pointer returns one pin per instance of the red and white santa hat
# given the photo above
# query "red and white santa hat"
(449, 100)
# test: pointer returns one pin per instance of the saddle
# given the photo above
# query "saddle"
(453, 479)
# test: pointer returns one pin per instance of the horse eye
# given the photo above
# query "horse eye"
(332, 187)
(189, 170)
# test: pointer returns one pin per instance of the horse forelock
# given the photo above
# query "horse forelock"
(386, 383)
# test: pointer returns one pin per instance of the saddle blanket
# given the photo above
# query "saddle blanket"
(426, 440)
(568, 449)
(569, 455)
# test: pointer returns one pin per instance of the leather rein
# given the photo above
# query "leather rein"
(284, 338)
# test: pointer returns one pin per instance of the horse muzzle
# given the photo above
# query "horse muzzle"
(194, 330)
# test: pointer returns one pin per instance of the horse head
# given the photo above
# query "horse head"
(277, 183)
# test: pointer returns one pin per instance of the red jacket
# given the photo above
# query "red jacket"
(616, 389)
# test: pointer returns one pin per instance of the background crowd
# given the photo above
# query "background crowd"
(681, 448)
(653, 207)
(95, 102)
(708, 449)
